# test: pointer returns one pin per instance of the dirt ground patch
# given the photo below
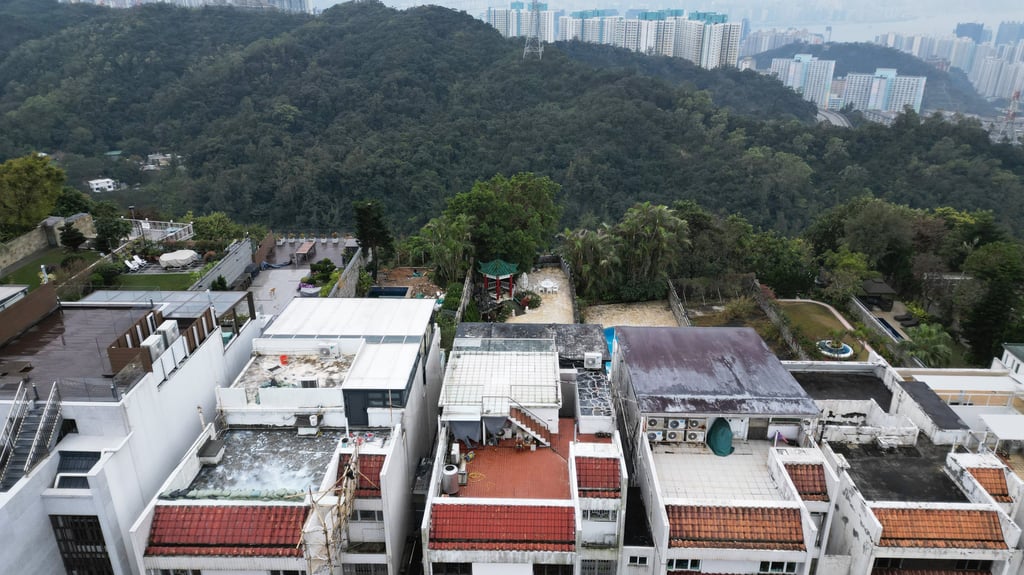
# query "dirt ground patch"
(647, 313)
(415, 279)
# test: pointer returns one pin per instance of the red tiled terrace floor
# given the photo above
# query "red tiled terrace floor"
(503, 471)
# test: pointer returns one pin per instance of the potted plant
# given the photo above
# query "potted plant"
(334, 237)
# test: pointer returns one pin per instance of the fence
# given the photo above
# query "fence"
(263, 250)
(349, 279)
(467, 292)
(677, 306)
(778, 318)
(231, 266)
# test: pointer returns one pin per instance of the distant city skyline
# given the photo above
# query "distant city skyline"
(850, 21)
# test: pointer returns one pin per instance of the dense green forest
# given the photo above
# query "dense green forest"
(949, 91)
(284, 120)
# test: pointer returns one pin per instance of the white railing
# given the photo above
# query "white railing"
(47, 426)
(11, 428)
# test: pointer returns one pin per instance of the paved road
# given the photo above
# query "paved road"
(834, 118)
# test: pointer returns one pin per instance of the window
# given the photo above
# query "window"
(637, 560)
(684, 564)
(542, 569)
(452, 568)
(286, 572)
(599, 515)
(174, 572)
(973, 565)
(81, 544)
(364, 569)
(595, 567)
(777, 567)
(888, 563)
(367, 515)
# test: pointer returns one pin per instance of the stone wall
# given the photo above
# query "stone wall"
(349, 279)
(45, 235)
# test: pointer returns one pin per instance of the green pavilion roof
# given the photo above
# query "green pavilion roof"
(498, 268)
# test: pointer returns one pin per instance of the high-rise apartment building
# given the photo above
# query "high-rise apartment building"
(972, 30)
(517, 19)
(884, 90)
(806, 75)
(1010, 33)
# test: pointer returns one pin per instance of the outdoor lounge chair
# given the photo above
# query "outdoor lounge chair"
(903, 317)
(139, 261)
(132, 266)
(912, 322)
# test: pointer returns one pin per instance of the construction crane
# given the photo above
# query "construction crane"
(1008, 128)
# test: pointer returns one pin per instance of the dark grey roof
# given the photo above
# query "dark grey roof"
(1015, 349)
(709, 370)
(938, 410)
(825, 385)
(571, 339)
(877, 287)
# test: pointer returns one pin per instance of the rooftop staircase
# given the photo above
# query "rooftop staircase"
(28, 434)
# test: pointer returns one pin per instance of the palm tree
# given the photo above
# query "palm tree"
(929, 343)
(652, 238)
(835, 338)
(448, 240)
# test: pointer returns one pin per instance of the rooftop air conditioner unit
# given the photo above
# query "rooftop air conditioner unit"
(695, 437)
(674, 436)
(655, 423)
(307, 423)
(592, 360)
(169, 331)
(676, 424)
(156, 346)
(696, 424)
(655, 436)
(328, 350)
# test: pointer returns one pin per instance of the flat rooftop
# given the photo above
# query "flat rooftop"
(572, 340)
(709, 370)
(68, 346)
(173, 304)
(904, 474)
(525, 370)
(842, 385)
(937, 409)
(268, 460)
(502, 471)
(352, 317)
(594, 392)
(270, 371)
(695, 472)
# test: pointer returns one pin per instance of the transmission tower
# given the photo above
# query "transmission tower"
(533, 44)
(1008, 129)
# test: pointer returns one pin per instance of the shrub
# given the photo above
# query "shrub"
(70, 260)
(529, 299)
(108, 273)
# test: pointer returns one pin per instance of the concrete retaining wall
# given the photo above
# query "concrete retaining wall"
(232, 266)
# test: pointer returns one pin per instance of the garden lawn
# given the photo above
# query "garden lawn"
(165, 282)
(817, 322)
(28, 273)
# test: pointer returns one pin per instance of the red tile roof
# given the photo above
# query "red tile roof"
(237, 530)
(949, 528)
(809, 480)
(369, 474)
(502, 527)
(598, 477)
(705, 526)
(994, 481)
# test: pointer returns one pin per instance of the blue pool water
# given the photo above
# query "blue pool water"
(394, 292)
(890, 329)
(609, 336)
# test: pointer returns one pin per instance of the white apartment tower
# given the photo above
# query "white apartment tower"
(806, 75)
(884, 90)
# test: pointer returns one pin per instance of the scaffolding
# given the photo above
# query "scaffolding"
(324, 531)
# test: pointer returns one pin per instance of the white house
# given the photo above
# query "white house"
(102, 185)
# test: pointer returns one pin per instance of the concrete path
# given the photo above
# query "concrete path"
(273, 289)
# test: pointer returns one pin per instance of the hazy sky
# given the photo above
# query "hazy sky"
(851, 20)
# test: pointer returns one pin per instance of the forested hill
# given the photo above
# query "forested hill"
(950, 91)
(284, 120)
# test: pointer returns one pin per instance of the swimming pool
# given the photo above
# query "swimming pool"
(889, 328)
(609, 336)
(387, 292)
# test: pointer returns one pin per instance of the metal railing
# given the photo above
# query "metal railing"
(47, 427)
(11, 428)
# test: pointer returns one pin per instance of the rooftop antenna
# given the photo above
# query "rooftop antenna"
(1008, 128)
(533, 45)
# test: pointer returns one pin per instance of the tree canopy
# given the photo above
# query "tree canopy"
(29, 188)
